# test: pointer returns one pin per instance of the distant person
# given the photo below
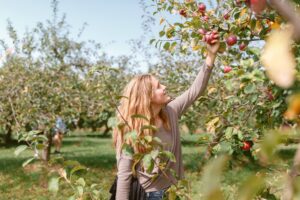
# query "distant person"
(59, 130)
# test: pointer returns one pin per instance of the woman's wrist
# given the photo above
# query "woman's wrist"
(210, 59)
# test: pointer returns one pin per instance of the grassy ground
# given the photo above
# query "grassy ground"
(98, 155)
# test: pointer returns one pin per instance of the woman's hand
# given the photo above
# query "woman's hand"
(212, 49)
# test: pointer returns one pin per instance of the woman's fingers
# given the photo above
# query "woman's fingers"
(214, 41)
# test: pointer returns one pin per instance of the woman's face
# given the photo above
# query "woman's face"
(159, 95)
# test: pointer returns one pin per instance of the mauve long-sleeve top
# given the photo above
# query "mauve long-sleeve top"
(171, 139)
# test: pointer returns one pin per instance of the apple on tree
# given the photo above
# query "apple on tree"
(247, 145)
(227, 69)
(231, 40)
(226, 16)
(182, 12)
(201, 7)
(242, 46)
(210, 36)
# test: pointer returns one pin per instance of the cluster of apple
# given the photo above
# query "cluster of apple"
(210, 36)
(201, 10)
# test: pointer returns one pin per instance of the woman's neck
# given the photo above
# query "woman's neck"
(156, 110)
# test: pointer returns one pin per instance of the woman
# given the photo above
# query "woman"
(146, 96)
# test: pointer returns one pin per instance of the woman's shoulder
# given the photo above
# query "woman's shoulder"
(171, 112)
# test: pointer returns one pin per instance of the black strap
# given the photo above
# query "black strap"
(137, 192)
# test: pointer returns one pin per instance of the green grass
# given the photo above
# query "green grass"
(97, 154)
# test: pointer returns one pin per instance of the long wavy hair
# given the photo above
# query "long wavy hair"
(136, 99)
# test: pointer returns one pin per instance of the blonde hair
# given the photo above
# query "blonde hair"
(136, 100)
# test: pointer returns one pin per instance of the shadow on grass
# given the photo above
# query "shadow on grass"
(101, 161)
(9, 165)
(286, 154)
(13, 143)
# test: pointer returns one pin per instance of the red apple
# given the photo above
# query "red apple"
(227, 69)
(242, 46)
(269, 95)
(258, 6)
(210, 36)
(226, 16)
(182, 12)
(201, 7)
(247, 145)
(231, 40)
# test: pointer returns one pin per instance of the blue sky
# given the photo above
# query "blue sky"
(112, 23)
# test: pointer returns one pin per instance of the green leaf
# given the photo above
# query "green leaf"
(247, 63)
(27, 161)
(149, 127)
(112, 122)
(140, 116)
(77, 168)
(80, 190)
(120, 97)
(81, 182)
(20, 149)
(154, 154)
(53, 185)
(40, 146)
(161, 33)
(151, 41)
(72, 197)
(169, 155)
(172, 195)
(148, 138)
(251, 88)
(157, 140)
(70, 163)
(127, 150)
(228, 133)
(167, 46)
(148, 163)
(42, 137)
(132, 135)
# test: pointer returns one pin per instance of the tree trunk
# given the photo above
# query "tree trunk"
(47, 149)
(106, 131)
(7, 137)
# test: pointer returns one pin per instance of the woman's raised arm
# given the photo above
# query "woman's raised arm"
(183, 101)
